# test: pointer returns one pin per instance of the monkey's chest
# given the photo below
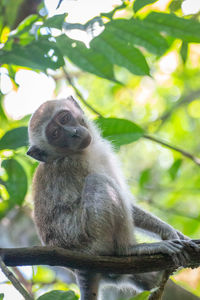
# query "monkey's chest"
(67, 189)
(58, 214)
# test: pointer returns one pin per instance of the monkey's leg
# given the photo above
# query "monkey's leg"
(88, 283)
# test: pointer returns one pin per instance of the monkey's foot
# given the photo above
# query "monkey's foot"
(177, 249)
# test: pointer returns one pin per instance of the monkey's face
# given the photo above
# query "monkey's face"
(58, 129)
(67, 132)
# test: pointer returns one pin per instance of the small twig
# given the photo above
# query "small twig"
(70, 80)
(195, 159)
(157, 295)
(14, 281)
(23, 280)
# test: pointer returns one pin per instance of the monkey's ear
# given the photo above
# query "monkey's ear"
(37, 154)
(75, 102)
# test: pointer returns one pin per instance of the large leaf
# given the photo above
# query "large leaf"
(138, 4)
(14, 138)
(1, 296)
(135, 31)
(39, 55)
(16, 183)
(55, 21)
(186, 29)
(120, 52)
(88, 60)
(119, 131)
(59, 295)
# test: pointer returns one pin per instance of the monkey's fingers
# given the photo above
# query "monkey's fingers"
(171, 248)
(184, 246)
(177, 253)
(189, 244)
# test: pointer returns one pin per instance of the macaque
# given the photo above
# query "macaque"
(81, 199)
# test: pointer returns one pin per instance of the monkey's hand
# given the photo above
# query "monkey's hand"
(176, 249)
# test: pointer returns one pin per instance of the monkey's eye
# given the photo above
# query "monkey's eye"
(64, 118)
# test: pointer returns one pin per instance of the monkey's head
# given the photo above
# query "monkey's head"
(57, 129)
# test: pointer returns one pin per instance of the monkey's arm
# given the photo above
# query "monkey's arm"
(147, 221)
(106, 219)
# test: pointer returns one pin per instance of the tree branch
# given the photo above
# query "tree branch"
(55, 256)
(195, 159)
(157, 294)
(183, 99)
(70, 80)
(14, 281)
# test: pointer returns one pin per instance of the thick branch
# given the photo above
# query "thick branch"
(55, 256)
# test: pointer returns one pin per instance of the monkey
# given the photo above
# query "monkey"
(82, 201)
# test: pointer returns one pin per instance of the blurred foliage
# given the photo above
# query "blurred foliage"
(142, 296)
(141, 73)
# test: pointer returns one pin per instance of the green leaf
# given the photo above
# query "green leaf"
(184, 51)
(15, 138)
(135, 31)
(144, 178)
(43, 275)
(3, 119)
(120, 52)
(9, 12)
(55, 21)
(26, 24)
(1, 296)
(142, 296)
(138, 4)
(119, 131)
(59, 295)
(38, 55)
(16, 183)
(186, 29)
(86, 59)
(174, 170)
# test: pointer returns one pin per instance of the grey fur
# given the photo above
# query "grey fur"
(82, 202)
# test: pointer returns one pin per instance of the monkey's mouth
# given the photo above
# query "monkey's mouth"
(85, 142)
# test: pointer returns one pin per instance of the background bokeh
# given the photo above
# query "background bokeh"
(162, 98)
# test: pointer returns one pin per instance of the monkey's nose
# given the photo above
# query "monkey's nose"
(74, 132)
